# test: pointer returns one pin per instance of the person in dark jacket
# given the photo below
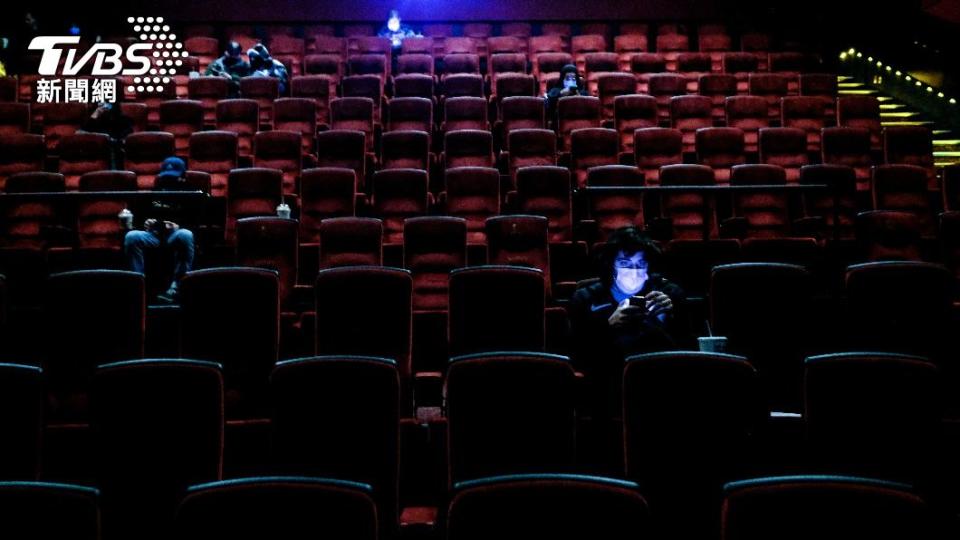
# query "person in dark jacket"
(570, 83)
(230, 66)
(264, 65)
(630, 310)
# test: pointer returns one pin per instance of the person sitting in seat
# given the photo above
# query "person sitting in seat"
(630, 310)
(570, 83)
(231, 66)
(264, 65)
(157, 231)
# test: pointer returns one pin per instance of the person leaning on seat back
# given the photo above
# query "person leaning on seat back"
(264, 65)
(630, 310)
(157, 230)
(570, 83)
(231, 66)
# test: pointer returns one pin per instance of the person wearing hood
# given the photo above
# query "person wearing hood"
(570, 83)
(264, 65)
(231, 65)
(630, 310)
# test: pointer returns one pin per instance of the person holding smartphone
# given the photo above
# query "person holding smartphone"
(631, 309)
(570, 83)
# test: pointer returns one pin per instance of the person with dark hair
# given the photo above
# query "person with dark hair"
(570, 83)
(231, 66)
(158, 231)
(264, 65)
(108, 118)
(630, 310)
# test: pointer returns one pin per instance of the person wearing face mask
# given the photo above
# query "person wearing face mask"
(570, 83)
(630, 310)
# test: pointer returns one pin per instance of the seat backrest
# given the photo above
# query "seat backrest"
(351, 241)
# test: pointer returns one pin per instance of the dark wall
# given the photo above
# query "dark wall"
(426, 10)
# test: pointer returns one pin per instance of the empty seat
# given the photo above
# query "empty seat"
(633, 112)
(823, 506)
(207, 49)
(50, 510)
(168, 413)
(144, 152)
(530, 147)
(464, 112)
(351, 241)
(688, 114)
(671, 45)
(612, 210)
(406, 149)
(717, 87)
(14, 118)
(806, 113)
(281, 507)
(23, 400)
(468, 148)
(97, 316)
(507, 85)
(599, 64)
(612, 85)
(506, 44)
(626, 45)
(764, 309)
(460, 63)
(338, 416)
(279, 150)
(213, 152)
(253, 191)
(520, 112)
(181, 117)
(21, 153)
(462, 85)
(410, 113)
(692, 214)
(741, 65)
(472, 193)
(591, 147)
(693, 66)
(861, 112)
(299, 115)
(344, 320)
(720, 148)
(823, 86)
(413, 85)
(496, 308)
(904, 188)
(765, 213)
(644, 66)
(346, 149)
(398, 194)
(231, 316)
(352, 113)
(547, 65)
(575, 112)
(888, 235)
(664, 86)
(263, 90)
(674, 403)
(913, 323)
(785, 147)
(837, 206)
(432, 247)
(364, 86)
(851, 147)
(910, 145)
(533, 405)
(771, 87)
(656, 147)
(895, 438)
(582, 45)
(748, 113)
(62, 119)
(323, 72)
(29, 223)
(208, 91)
(512, 63)
(325, 192)
(242, 116)
(414, 63)
(81, 153)
(270, 242)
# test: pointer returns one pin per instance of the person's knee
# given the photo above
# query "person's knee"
(134, 239)
(184, 236)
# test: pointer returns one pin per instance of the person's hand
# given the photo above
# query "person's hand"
(149, 224)
(624, 314)
(171, 226)
(658, 303)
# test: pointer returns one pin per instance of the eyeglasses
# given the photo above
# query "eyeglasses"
(627, 263)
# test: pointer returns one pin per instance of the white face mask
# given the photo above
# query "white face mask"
(630, 280)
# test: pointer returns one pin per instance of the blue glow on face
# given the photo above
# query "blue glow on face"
(74, 30)
(393, 24)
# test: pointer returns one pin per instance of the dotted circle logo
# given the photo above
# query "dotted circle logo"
(167, 55)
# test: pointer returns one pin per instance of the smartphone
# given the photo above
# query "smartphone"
(639, 301)
(569, 83)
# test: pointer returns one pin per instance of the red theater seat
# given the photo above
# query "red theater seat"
(181, 117)
(399, 194)
(325, 192)
(432, 247)
(654, 148)
(351, 241)
(144, 152)
(216, 153)
(472, 193)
